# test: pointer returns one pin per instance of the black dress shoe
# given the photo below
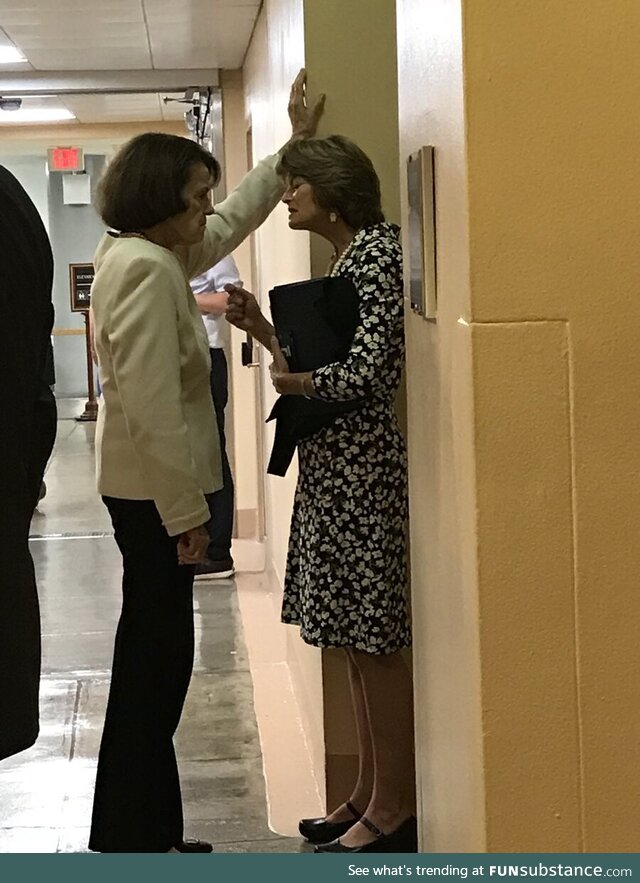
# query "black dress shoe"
(403, 839)
(322, 831)
(193, 845)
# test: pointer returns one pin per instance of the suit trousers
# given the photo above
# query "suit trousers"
(220, 526)
(19, 609)
(137, 803)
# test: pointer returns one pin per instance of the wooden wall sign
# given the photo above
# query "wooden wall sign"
(80, 281)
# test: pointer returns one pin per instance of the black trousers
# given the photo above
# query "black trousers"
(137, 804)
(220, 526)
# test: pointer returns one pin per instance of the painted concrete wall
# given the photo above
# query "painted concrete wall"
(275, 55)
(350, 51)
(350, 55)
(354, 64)
(98, 138)
(75, 231)
(242, 380)
(441, 445)
(521, 396)
(31, 171)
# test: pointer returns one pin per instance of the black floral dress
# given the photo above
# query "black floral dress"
(346, 579)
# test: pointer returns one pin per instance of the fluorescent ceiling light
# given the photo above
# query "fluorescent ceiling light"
(36, 115)
(10, 55)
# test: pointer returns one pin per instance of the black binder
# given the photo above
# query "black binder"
(315, 322)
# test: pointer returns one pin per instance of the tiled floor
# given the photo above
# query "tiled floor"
(46, 792)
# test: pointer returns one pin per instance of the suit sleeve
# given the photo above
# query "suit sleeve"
(378, 280)
(236, 217)
(145, 353)
(16, 394)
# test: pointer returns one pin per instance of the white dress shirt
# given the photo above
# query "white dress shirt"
(214, 279)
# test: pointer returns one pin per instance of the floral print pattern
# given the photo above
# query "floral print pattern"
(346, 578)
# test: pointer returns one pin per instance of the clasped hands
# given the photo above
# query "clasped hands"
(244, 312)
(286, 383)
(193, 545)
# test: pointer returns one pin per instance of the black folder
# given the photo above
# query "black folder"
(315, 322)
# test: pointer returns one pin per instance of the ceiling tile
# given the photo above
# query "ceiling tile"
(78, 34)
(104, 35)
(199, 33)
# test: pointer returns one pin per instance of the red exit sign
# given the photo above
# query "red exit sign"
(66, 159)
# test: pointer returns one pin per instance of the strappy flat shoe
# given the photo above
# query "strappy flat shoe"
(403, 839)
(322, 831)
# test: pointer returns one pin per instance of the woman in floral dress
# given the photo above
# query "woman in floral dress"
(346, 579)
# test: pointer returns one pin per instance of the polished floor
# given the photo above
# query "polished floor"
(46, 792)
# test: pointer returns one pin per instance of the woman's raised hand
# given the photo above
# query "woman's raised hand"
(304, 119)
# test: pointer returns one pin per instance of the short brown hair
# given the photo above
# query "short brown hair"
(142, 185)
(341, 174)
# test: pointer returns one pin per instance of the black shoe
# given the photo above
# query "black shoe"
(209, 570)
(322, 831)
(403, 839)
(192, 845)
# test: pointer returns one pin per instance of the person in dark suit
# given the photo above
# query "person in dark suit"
(27, 434)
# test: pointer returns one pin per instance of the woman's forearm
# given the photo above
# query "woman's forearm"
(263, 332)
(212, 303)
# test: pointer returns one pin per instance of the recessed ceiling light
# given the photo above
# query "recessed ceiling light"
(10, 55)
(36, 115)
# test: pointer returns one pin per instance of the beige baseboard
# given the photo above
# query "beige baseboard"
(248, 555)
(305, 670)
(246, 524)
(289, 748)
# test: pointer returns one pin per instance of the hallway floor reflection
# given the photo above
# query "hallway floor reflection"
(46, 792)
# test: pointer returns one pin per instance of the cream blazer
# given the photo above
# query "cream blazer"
(156, 436)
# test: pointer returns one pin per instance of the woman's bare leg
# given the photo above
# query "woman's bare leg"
(363, 789)
(388, 698)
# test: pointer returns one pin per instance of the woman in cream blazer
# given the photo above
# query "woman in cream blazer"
(158, 452)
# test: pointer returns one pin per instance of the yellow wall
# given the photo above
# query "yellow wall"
(349, 53)
(350, 56)
(441, 467)
(522, 402)
(571, 255)
(275, 55)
